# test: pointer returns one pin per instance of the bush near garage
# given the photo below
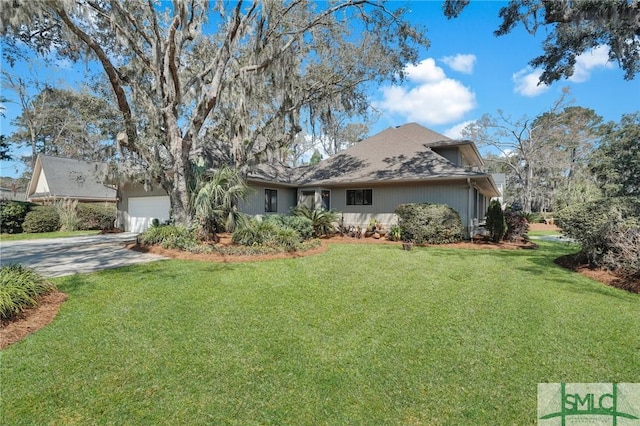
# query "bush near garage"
(429, 223)
(41, 219)
(12, 214)
(96, 216)
(170, 237)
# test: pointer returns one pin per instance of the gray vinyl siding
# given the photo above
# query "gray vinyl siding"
(254, 204)
(387, 198)
(451, 154)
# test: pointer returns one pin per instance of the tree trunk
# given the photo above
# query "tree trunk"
(178, 191)
(528, 190)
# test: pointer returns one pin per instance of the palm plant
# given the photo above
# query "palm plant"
(323, 220)
(216, 203)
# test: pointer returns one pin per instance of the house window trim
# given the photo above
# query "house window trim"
(268, 200)
(355, 197)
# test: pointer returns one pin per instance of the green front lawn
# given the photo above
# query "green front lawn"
(41, 235)
(361, 334)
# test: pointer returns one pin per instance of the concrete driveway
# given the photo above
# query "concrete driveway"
(75, 255)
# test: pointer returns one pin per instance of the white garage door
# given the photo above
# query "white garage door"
(142, 211)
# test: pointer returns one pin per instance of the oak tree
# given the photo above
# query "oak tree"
(227, 79)
(573, 27)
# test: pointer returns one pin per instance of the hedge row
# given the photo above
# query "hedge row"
(20, 216)
(12, 214)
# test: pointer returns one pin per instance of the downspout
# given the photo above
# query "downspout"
(469, 208)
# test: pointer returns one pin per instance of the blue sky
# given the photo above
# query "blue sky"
(465, 73)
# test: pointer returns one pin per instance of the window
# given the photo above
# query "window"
(270, 200)
(359, 197)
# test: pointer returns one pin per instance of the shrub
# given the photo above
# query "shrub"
(532, 217)
(429, 223)
(12, 214)
(170, 237)
(496, 223)
(96, 216)
(267, 234)
(41, 219)
(624, 250)
(69, 220)
(517, 225)
(302, 225)
(19, 289)
(593, 223)
(323, 221)
(395, 233)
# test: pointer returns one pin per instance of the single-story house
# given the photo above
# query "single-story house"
(404, 164)
(56, 178)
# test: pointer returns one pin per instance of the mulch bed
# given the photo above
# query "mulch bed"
(32, 319)
(578, 263)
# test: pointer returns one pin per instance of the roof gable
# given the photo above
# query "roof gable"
(399, 154)
(69, 178)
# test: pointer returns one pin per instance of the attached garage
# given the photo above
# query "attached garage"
(142, 211)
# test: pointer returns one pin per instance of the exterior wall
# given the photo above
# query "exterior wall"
(254, 205)
(387, 198)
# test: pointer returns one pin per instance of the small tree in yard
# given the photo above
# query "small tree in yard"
(496, 224)
(216, 203)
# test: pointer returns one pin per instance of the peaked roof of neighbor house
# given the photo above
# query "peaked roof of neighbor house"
(399, 154)
(56, 177)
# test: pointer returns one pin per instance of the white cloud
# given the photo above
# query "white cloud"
(595, 58)
(461, 63)
(433, 98)
(455, 132)
(526, 82)
(425, 72)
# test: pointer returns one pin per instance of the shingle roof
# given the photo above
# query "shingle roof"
(69, 178)
(400, 154)
(276, 173)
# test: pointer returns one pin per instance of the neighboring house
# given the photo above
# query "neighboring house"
(10, 194)
(56, 178)
(405, 164)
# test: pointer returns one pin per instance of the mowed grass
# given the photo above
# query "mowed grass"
(41, 235)
(361, 334)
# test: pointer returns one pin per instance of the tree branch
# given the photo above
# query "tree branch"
(112, 73)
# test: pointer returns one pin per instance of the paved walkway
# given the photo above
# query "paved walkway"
(56, 257)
